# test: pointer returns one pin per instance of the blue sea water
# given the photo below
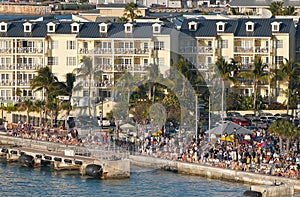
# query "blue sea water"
(21, 181)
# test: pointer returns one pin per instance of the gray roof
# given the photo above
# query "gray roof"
(262, 27)
(261, 3)
(87, 30)
(106, 18)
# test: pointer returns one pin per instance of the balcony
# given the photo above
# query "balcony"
(246, 66)
(29, 66)
(130, 67)
(6, 67)
(6, 51)
(30, 50)
(188, 49)
(23, 83)
(6, 83)
(104, 67)
(133, 51)
(203, 49)
(203, 66)
(259, 49)
(240, 49)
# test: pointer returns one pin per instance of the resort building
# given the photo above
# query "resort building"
(26, 46)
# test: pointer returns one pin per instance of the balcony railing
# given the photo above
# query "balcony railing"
(130, 67)
(6, 67)
(259, 49)
(104, 67)
(23, 83)
(6, 83)
(31, 50)
(135, 51)
(29, 66)
(188, 49)
(6, 50)
(203, 66)
(243, 49)
(203, 49)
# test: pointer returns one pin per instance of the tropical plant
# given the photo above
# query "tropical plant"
(258, 74)
(288, 69)
(279, 128)
(39, 105)
(87, 72)
(225, 71)
(131, 11)
(43, 82)
(26, 106)
(122, 20)
(276, 8)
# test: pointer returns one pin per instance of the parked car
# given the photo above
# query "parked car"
(249, 116)
(233, 114)
(259, 123)
(266, 118)
(241, 121)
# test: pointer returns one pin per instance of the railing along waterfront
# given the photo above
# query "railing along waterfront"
(104, 152)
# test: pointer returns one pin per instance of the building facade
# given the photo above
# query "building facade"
(115, 48)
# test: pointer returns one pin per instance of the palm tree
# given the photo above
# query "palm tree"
(288, 70)
(289, 11)
(43, 82)
(27, 106)
(225, 71)
(87, 72)
(276, 8)
(39, 106)
(279, 128)
(131, 11)
(257, 74)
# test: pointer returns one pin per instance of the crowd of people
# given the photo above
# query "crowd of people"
(258, 153)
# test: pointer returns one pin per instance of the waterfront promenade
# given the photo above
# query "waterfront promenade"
(172, 154)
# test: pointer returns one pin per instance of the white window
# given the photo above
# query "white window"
(75, 27)
(156, 28)
(126, 61)
(275, 26)
(51, 27)
(278, 44)
(145, 45)
(278, 59)
(27, 27)
(5, 44)
(103, 28)
(71, 61)
(159, 45)
(103, 61)
(53, 44)
(126, 45)
(128, 28)
(223, 44)
(246, 60)
(52, 61)
(145, 62)
(104, 45)
(192, 26)
(161, 61)
(249, 26)
(209, 59)
(70, 44)
(3, 27)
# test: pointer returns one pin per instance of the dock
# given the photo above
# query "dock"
(89, 161)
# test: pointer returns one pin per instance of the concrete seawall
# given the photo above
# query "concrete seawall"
(211, 172)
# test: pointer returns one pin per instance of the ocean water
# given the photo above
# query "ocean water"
(22, 181)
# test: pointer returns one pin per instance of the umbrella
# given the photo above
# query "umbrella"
(229, 129)
(227, 138)
(128, 126)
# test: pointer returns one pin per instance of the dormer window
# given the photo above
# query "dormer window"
(75, 27)
(27, 27)
(156, 28)
(3, 27)
(275, 26)
(249, 26)
(220, 26)
(103, 28)
(51, 27)
(192, 26)
(128, 28)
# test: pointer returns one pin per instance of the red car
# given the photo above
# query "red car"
(241, 121)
